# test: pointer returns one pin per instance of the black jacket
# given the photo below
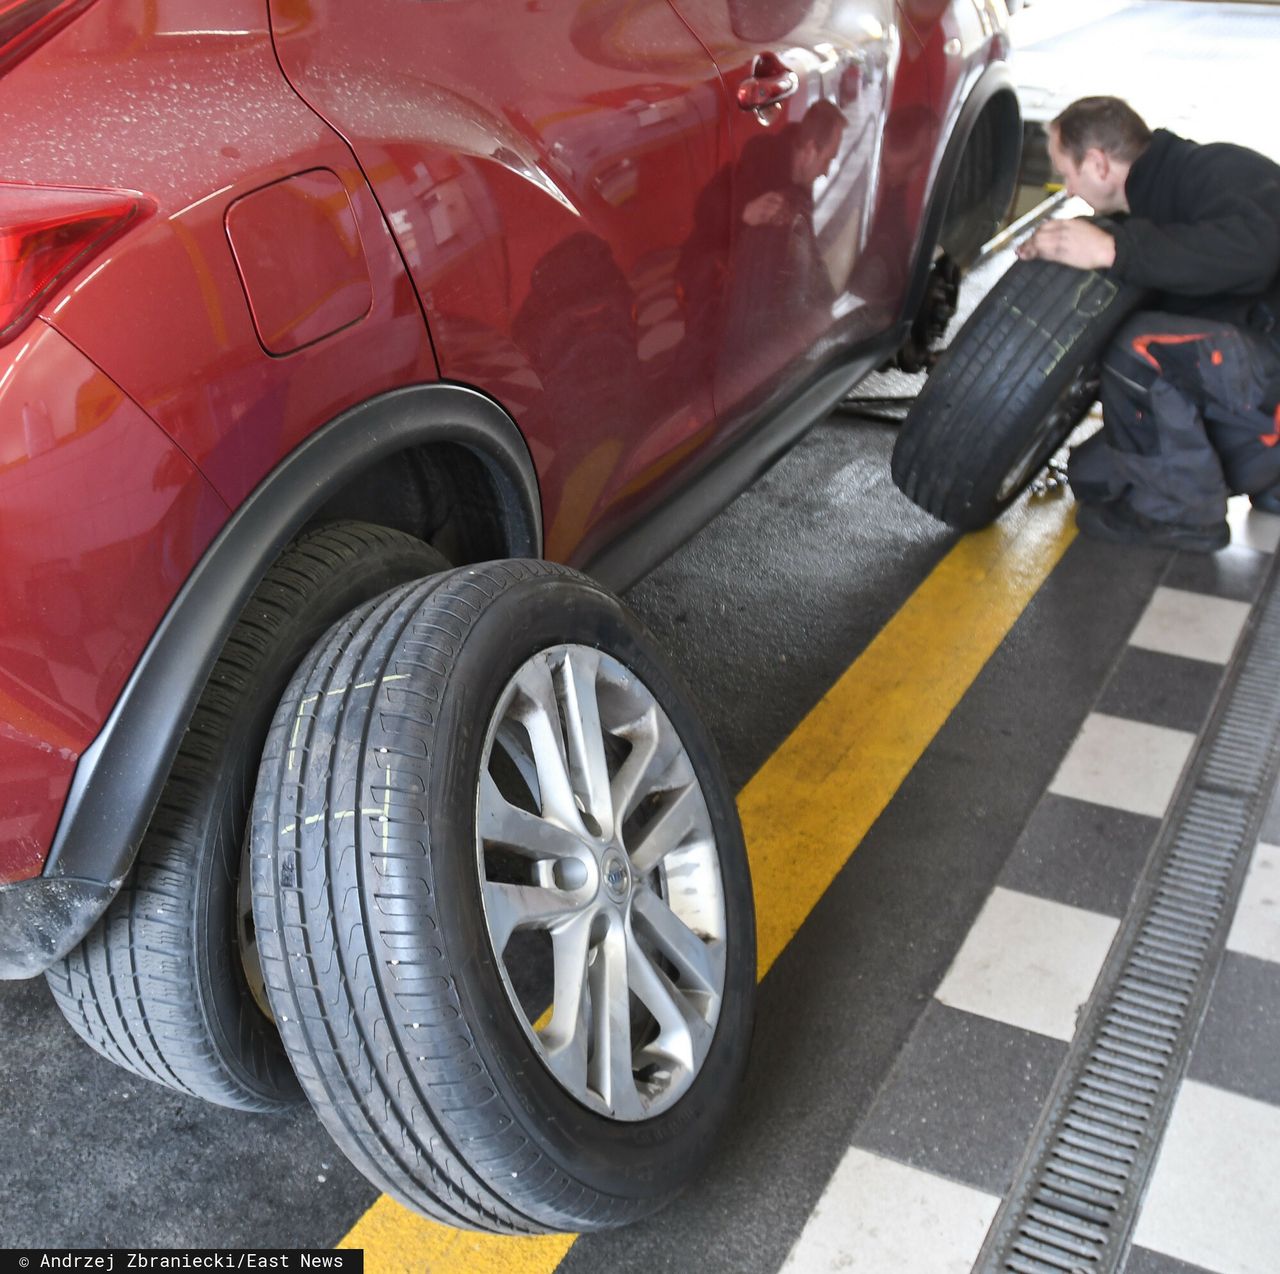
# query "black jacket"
(1203, 229)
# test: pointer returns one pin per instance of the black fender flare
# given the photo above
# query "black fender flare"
(119, 777)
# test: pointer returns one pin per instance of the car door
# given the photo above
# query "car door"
(808, 84)
(540, 162)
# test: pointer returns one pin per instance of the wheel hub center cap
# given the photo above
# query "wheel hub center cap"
(616, 875)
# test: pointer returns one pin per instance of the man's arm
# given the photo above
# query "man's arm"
(768, 209)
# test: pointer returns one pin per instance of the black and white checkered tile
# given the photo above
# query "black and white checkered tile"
(933, 1159)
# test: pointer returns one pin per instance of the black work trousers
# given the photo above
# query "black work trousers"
(1189, 417)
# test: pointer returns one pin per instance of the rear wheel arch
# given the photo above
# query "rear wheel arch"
(442, 492)
(339, 471)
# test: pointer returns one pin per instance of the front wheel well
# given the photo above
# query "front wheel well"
(985, 181)
(974, 189)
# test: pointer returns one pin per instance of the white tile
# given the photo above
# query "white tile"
(1212, 1196)
(1255, 930)
(1029, 962)
(1193, 625)
(877, 1215)
(1127, 765)
(1250, 528)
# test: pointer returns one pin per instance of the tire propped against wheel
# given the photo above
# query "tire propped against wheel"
(1018, 377)
(502, 903)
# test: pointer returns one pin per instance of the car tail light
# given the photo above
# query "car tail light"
(26, 23)
(47, 234)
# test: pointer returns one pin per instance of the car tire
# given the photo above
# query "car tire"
(428, 877)
(163, 984)
(1019, 376)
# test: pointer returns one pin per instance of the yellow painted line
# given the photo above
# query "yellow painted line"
(810, 805)
(395, 1239)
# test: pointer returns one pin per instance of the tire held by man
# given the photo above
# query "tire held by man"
(1019, 376)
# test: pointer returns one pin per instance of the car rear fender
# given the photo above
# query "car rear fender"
(119, 777)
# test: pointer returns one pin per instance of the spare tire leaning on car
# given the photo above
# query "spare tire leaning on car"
(1019, 376)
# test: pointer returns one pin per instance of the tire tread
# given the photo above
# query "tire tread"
(996, 382)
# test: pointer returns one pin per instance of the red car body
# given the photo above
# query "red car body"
(424, 264)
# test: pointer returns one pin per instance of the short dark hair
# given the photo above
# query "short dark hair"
(822, 121)
(1107, 124)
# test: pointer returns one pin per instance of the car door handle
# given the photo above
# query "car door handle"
(771, 81)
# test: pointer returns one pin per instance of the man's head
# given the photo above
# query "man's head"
(1093, 144)
(817, 142)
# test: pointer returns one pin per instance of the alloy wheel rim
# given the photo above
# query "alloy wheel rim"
(601, 882)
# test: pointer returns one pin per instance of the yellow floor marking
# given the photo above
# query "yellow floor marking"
(395, 1239)
(809, 806)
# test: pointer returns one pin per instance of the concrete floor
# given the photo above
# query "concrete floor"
(762, 613)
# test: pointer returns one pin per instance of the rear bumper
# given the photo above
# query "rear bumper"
(42, 919)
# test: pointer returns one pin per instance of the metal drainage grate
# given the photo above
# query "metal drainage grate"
(1073, 1206)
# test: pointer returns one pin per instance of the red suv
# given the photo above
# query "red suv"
(326, 329)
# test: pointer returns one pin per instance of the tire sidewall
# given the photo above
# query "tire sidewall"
(649, 1158)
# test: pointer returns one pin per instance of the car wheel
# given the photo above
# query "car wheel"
(1018, 377)
(503, 903)
(167, 984)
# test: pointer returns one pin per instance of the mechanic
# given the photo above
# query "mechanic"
(1189, 386)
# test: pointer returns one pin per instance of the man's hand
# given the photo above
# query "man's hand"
(768, 209)
(1076, 242)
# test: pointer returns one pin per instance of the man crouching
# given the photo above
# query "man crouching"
(1190, 386)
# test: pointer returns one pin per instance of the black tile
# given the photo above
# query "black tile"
(1161, 689)
(1081, 854)
(1238, 1047)
(1237, 573)
(963, 1098)
(1142, 1260)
